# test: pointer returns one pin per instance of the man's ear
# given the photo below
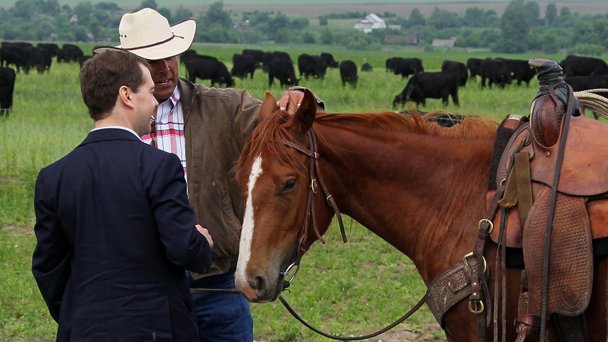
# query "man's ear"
(269, 106)
(124, 95)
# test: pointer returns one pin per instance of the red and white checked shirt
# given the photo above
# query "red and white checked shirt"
(167, 133)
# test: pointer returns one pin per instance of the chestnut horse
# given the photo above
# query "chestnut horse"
(419, 186)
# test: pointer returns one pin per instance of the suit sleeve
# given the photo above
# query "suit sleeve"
(51, 260)
(175, 218)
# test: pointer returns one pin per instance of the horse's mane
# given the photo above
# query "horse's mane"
(271, 133)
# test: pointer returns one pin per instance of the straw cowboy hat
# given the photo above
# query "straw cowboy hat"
(147, 34)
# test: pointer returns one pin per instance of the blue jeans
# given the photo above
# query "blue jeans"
(222, 317)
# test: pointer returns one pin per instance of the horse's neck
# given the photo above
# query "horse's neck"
(417, 192)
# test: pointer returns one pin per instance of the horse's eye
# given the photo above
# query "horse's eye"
(289, 185)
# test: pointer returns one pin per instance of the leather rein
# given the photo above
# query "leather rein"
(316, 181)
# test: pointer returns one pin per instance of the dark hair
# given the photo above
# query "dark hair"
(102, 76)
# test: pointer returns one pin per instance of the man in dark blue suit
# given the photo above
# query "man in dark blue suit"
(114, 228)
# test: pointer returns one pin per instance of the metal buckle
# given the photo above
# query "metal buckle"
(470, 254)
(477, 308)
(313, 185)
(489, 222)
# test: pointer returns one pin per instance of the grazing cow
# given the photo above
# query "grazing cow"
(496, 72)
(366, 67)
(309, 65)
(269, 56)
(583, 66)
(348, 73)
(42, 60)
(579, 83)
(257, 54)
(69, 53)
(19, 54)
(7, 86)
(520, 70)
(457, 67)
(474, 66)
(433, 85)
(207, 68)
(329, 59)
(243, 65)
(282, 69)
(404, 66)
(52, 48)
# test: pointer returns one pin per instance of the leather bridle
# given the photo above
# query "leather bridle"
(316, 181)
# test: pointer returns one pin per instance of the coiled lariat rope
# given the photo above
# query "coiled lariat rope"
(590, 99)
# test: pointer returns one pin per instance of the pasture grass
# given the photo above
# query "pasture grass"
(343, 289)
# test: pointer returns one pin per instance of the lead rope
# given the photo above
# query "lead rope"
(297, 316)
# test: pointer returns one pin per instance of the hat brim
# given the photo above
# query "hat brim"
(183, 36)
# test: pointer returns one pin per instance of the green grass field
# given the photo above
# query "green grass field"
(344, 289)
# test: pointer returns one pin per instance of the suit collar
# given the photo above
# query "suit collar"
(108, 135)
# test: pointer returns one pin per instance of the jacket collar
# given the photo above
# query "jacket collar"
(108, 135)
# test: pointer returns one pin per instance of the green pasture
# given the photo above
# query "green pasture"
(348, 288)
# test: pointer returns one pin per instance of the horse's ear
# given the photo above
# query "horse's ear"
(307, 110)
(269, 106)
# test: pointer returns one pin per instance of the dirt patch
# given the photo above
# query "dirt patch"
(18, 230)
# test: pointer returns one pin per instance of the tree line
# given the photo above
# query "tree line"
(520, 28)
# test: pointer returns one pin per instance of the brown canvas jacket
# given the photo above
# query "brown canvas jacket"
(217, 123)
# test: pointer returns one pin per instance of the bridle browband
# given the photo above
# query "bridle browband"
(316, 181)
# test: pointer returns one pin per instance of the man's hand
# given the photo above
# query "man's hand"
(291, 99)
(205, 233)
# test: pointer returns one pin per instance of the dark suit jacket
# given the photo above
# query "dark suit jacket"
(114, 234)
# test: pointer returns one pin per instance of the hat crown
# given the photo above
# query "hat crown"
(143, 28)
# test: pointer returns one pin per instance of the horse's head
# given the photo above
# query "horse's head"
(273, 173)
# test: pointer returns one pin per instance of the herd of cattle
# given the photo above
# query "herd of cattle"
(581, 72)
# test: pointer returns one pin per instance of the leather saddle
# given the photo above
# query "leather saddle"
(525, 175)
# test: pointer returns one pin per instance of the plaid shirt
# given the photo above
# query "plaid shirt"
(167, 131)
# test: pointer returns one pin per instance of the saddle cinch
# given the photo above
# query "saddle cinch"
(557, 133)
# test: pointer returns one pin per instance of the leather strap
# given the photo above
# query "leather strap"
(524, 184)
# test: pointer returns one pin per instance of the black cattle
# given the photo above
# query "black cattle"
(348, 73)
(69, 53)
(520, 70)
(243, 65)
(42, 60)
(579, 83)
(269, 56)
(457, 67)
(282, 69)
(329, 59)
(474, 66)
(314, 66)
(583, 66)
(435, 85)
(52, 48)
(404, 66)
(257, 54)
(18, 54)
(495, 71)
(7, 87)
(366, 67)
(83, 59)
(207, 68)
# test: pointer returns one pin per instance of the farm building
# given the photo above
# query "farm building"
(444, 42)
(369, 23)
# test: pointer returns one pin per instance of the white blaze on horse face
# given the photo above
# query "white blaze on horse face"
(248, 224)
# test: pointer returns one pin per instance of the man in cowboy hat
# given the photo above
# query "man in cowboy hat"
(206, 128)
(114, 228)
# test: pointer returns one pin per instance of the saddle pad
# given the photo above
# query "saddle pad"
(571, 257)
